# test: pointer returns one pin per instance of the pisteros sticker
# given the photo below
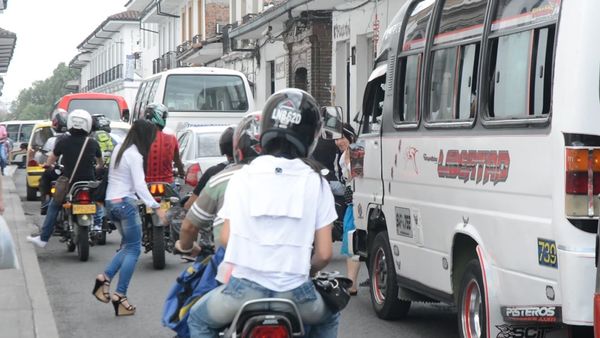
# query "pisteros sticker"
(546, 314)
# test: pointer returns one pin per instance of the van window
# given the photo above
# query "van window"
(25, 133)
(153, 91)
(374, 96)
(409, 85)
(147, 91)
(519, 78)
(462, 24)
(138, 100)
(107, 107)
(442, 85)
(416, 26)
(516, 13)
(13, 132)
(215, 93)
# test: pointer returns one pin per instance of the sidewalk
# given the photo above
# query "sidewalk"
(24, 305)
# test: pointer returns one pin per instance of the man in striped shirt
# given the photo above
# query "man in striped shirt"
(200, 219)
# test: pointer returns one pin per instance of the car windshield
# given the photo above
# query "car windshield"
(209, 93)
(208, 145)
(109, 108)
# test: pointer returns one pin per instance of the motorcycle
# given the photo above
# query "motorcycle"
(257, 318)
(157, 237)
(77, 217)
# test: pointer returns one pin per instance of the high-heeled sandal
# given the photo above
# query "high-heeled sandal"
(120, 308)
(102, 289)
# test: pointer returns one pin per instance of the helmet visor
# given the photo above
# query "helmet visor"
(332, 123)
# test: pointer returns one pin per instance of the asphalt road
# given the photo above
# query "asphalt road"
(78, 314)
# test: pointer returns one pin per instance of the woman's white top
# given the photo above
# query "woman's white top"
(274, 206)
(345, 166)
(128, 179)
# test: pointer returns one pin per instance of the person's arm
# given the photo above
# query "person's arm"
(323, 249)
(187, 239)
(190, 201)
(50, 160)
(225, 233)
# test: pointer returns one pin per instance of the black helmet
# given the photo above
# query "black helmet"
(100, 122)
(157, 113)
(293, 115)
(226, 142)
(59, 120)
(246, 139)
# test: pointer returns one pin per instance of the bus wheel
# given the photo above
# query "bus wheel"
(471, 303)
(384, 287)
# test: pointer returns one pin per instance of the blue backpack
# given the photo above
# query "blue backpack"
(192, 283)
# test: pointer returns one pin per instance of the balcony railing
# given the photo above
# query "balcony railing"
(108, 76)
(167, 61)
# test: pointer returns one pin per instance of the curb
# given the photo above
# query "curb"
(44, 325)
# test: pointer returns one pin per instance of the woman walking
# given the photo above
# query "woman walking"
(125, 180)
(345, 176)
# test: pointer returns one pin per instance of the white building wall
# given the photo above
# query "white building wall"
(353, 32)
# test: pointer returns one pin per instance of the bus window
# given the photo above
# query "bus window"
(541, 73)
(408, 84)
(13, 132)
(461, 24)
(467, 83)
(153, 91)
(516, 13)
(138, 99)
(442, 85)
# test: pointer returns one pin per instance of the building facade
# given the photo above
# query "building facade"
(8, 41)
(109, 57)
(357, 27)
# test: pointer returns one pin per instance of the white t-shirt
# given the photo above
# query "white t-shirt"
(274, 206)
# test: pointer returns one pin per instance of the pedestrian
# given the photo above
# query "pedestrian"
(345, 176)
(8, 255)
(277, 216)
(126, 178)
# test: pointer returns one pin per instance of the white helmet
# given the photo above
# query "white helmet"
(79, 119)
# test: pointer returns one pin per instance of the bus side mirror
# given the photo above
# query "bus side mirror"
(125, 116)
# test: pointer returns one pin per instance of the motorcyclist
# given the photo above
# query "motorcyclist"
(164, 150)
(226, 147)
(275, 209)
(200, 219)
(101, 133)
(79, 125)
(59, 125)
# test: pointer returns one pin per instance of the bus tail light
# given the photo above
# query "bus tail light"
(582, 182)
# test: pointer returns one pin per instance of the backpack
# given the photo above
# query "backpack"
(106, 144)
(193, 282)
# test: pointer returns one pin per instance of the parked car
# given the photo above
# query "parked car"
(36, 156)
(19, 132)
(199, 150)
(196, 95)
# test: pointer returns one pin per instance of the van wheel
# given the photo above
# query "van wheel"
(384, 286)
(471, 303)
(31, 193)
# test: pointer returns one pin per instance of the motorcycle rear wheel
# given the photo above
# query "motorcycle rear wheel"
(83, 243)
(158, 247)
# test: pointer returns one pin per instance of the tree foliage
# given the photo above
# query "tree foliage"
(36, 102)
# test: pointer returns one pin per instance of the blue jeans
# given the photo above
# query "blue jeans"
(126, 217)
(50, 220)
(216, 309)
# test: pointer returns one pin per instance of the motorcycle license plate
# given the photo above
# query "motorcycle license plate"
(164, 205)
(84, 209)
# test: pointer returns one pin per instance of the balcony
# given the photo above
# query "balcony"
(167, 61)
(115, 73)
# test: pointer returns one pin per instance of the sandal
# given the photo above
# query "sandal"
(102, 288)
(122, 306)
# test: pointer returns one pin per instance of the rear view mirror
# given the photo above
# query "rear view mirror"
(332, 122)
(125, 116)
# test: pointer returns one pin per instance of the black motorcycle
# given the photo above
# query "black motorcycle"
(156, 237)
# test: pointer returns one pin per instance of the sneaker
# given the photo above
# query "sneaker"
(37, 240)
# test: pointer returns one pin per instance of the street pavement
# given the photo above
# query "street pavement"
(72, 311)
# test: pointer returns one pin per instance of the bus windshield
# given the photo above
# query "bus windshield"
(108, 108)
(210, 93)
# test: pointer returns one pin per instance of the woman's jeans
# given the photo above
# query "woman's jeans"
(217, 308)
(125, 214)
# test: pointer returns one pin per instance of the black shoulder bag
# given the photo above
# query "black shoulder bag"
(333, 290)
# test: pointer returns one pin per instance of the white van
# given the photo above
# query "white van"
(477, 173)
(196, 95)
(19, 133)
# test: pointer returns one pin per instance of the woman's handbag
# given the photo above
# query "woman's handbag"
(333, 290)
(63, 182)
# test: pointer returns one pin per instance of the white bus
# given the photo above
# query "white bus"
(196, 95)
(479, 184)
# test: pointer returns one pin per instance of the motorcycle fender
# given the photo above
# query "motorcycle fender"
(84, 220)
(156, 222)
